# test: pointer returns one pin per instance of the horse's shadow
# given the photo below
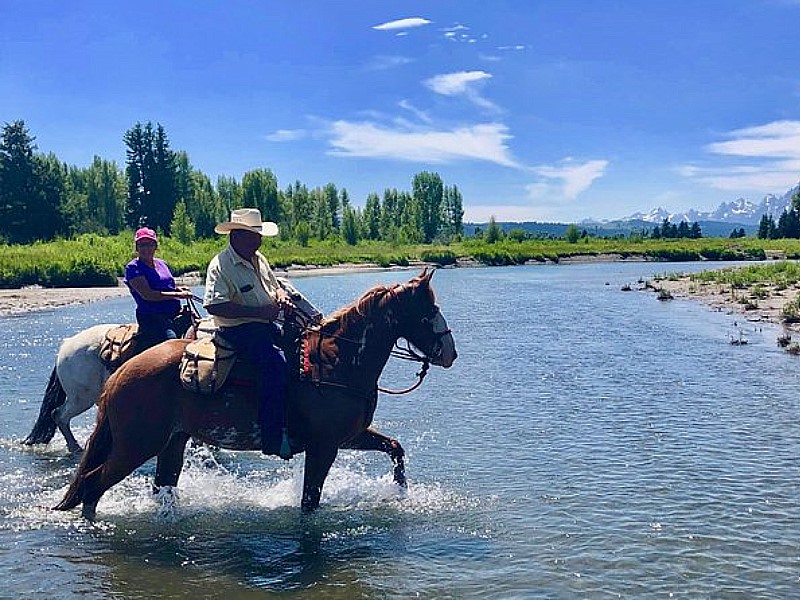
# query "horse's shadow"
(276, 550)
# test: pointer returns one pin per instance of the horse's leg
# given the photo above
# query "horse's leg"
(77, 403)
(170, 461)
(82, 376)
(116, 467)
(319, 458)
(372, 440)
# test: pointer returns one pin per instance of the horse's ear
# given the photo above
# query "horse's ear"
(426, 274)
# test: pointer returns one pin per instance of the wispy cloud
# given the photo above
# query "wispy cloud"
(462, 83)
(767, 159)
(383, 62)
(568, 177)
(287, 135)
(420, 114)
(407, 23)
(484, 142)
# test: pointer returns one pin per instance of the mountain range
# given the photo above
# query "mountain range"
(739, 211)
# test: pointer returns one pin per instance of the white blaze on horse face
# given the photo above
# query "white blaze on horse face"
(447, 352)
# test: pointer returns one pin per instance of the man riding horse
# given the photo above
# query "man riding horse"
(244, 298)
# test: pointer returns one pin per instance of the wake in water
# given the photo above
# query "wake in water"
(217, 482)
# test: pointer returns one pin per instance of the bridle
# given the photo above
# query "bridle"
(400, 352)
(407, 353)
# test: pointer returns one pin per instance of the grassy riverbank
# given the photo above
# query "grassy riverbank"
(93, 260)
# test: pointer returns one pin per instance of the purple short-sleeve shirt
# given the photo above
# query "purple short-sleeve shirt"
(159, 279)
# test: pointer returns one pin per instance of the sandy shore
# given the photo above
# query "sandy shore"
(765, 308)
(35, 298)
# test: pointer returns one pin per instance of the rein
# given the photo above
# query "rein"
(408, 354)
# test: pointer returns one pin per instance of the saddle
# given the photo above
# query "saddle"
(119, 345)
(206, 364)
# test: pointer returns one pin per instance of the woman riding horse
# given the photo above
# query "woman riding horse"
(144, 411)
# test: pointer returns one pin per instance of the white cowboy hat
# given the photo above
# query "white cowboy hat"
(248, 219)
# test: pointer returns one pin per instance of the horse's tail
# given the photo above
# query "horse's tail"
(94, 456)
(45, 427)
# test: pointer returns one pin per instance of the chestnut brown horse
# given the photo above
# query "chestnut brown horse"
(145, 412)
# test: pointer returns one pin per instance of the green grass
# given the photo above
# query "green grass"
(93, 260)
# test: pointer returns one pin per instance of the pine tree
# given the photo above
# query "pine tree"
(372, 217)
(32, 188)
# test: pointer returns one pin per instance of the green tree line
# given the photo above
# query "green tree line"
(788, 225)
(42, 198)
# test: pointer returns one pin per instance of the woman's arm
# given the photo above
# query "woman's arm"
(145, 291)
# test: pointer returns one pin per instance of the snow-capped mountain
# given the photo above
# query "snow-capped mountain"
(740, 211)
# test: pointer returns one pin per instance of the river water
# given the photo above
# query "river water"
(587, 443)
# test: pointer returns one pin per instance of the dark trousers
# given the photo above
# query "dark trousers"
(155, 328)
(255, 342)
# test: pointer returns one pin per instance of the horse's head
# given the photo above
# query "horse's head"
(421, 322)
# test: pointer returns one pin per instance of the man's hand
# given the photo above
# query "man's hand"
(284, 301)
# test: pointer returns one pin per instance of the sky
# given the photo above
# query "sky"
(538, 110)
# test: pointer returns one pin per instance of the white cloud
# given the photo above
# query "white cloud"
(767, 159)
(383, 62)
(452, 84)
(485, 142)
(287, 135)
(402, 24)
(779, 139)
(571, 178)
(462, 83)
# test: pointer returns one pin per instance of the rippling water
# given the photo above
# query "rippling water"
(586, 443)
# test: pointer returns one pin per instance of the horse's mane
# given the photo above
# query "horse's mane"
(376, 298)
(373, 299)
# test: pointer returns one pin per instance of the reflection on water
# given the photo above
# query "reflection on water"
(587, 443)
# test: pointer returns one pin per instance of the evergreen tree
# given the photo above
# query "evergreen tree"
(322, 224)
(695, 232)
(302, 210)
(766, 228)
(32, 188)
(260, 190)
(372, 217)
(331, 195)
(152, 175)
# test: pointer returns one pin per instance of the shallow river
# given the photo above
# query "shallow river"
(587, 443)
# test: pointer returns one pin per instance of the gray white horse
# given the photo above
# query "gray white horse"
(74, 387)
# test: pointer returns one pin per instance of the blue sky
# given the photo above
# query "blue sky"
(551, 110)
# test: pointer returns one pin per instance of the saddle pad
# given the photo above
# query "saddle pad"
(119, 345)
(206, 364)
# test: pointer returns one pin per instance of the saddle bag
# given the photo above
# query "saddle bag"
(206, 364)
(119, 345)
